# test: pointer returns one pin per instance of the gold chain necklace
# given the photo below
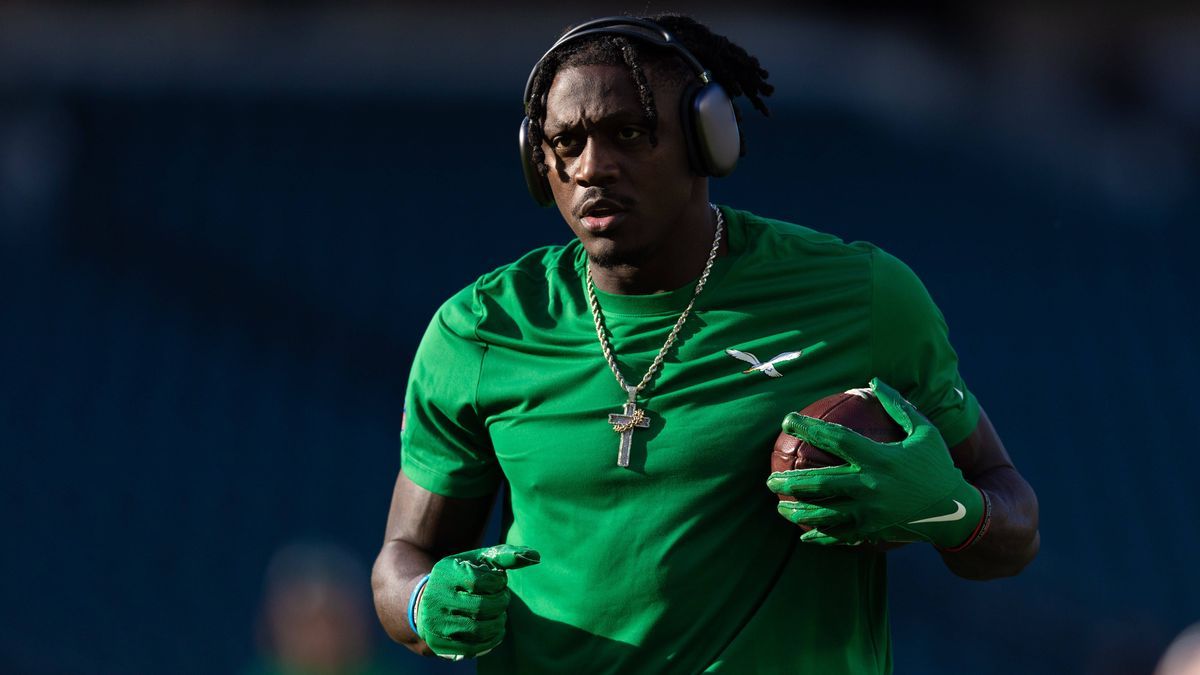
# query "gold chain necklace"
(631, 417)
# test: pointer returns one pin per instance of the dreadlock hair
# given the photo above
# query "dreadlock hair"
(739, 73)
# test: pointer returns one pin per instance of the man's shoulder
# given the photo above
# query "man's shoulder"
(802, 253)
(528, 279)
(780, 237)
(541, 266)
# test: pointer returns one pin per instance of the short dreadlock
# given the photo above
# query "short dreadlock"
(736, 71)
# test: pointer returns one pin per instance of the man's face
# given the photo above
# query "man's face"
(624, 198)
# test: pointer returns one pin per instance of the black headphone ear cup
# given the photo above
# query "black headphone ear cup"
(687, 120)
(539, 187)
(716, 136)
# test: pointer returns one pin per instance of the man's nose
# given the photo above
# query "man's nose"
(597, 164)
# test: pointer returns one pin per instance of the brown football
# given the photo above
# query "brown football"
(857, 409)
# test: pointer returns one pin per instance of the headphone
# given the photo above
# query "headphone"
(710, 127)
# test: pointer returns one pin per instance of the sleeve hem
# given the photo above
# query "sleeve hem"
(958, 427)
(459, 487)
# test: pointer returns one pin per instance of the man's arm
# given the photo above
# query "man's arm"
(903, 491)
(422, 528)
(1012, 539)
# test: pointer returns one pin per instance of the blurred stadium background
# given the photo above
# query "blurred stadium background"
(224, 226)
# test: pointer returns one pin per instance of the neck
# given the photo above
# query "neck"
(677, 263)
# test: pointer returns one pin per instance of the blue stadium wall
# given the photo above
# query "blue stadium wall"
(206, 340)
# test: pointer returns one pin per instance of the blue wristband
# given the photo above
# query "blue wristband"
(412, 604)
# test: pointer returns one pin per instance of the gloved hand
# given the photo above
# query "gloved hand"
(462, 605)
(905, 491)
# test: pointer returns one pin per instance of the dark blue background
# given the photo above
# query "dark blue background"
(206, 341)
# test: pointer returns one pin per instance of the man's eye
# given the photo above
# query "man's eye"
(562, 142)
(630, 134)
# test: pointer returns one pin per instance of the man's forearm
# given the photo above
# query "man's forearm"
(1011, 540)
(397, 570)
(422, 528)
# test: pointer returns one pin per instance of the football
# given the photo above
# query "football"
(856, 409)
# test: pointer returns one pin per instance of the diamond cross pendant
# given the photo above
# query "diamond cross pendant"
(624, 423)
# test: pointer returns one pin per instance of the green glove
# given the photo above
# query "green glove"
(905, 491)
(462, 605)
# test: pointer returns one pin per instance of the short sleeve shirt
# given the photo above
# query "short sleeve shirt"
(678, 562)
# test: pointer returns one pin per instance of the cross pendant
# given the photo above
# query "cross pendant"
(624, 423)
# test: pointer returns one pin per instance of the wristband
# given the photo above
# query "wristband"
(412, 604)
(981, 529)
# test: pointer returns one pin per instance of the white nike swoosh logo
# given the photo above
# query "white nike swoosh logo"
(957, 515)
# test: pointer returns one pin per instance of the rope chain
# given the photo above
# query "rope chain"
(598, 317)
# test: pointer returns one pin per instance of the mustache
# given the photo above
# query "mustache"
(597, 196)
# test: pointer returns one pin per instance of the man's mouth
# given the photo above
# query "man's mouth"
(600, 215)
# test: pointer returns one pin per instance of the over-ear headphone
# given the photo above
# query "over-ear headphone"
(709, 123)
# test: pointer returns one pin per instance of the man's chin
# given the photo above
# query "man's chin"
(609, 257)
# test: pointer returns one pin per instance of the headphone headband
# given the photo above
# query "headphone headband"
(646, 31)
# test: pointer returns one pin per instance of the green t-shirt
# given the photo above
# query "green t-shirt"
(679, 562)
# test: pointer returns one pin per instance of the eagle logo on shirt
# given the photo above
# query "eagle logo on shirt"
(765, 367)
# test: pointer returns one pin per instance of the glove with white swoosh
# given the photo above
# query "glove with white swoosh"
(905, 491)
